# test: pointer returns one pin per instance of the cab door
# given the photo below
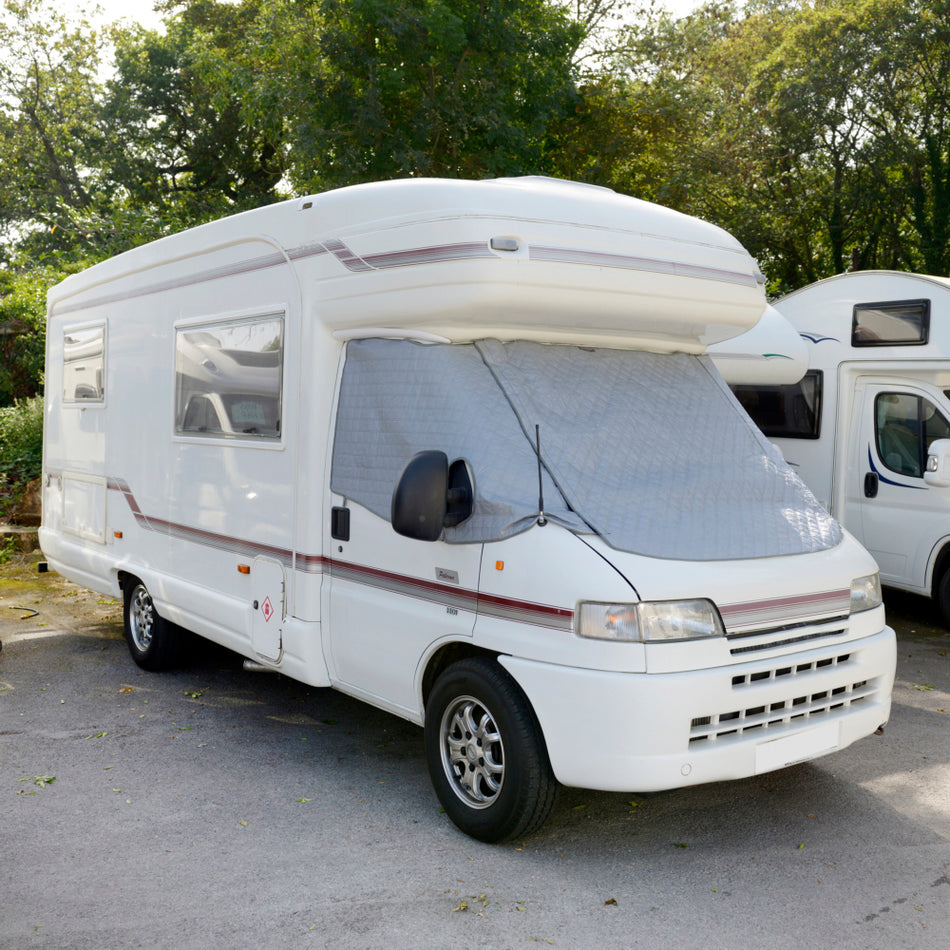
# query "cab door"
(888, 506)
(390, 598)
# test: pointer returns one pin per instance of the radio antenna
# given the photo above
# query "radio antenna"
(542, 521)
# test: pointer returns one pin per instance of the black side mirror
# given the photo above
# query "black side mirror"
(431, 495)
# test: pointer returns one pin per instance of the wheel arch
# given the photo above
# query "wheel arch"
(445, 656)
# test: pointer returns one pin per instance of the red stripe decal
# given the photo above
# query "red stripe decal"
(431, 591)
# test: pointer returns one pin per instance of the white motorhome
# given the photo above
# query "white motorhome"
(866, 426)
(313, 438)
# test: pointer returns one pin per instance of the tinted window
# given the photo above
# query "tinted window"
(904, 427)
(786, 412)
(893, 323)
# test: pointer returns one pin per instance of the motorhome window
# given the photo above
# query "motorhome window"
(785, 412)
(893, 323)
(84, 365)
(228, 379)
(904, 427)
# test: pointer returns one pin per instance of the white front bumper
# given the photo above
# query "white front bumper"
(652, 731)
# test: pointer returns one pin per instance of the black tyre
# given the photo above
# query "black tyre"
(486, 753)
(942, 597)
(155, 643)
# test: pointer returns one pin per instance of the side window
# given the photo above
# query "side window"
(787, 412)
(84, 361)
(228, 379)
(904, 427)
(892, 323)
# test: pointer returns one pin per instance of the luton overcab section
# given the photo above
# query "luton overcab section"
(457, 449)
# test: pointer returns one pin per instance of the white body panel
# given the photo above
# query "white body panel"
(771, 352)
(906, 523)
(190, 473)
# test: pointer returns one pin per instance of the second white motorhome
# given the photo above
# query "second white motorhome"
(454, 449)
(867, 426)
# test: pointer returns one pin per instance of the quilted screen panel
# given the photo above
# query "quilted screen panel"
(649, 451)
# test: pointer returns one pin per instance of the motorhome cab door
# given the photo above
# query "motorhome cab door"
(390, 599)
(888, 506)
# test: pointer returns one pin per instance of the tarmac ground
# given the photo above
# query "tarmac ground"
(218, 808)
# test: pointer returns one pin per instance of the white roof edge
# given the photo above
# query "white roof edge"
(942, 282)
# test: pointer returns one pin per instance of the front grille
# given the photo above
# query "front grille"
(759, 640)
(793, 669)
(800, 705)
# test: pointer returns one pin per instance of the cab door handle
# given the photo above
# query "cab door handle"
(870, 485)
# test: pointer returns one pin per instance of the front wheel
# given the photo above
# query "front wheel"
(155, 643)
(942, 596)
(486, 753)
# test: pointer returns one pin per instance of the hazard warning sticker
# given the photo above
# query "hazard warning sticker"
(267, 609)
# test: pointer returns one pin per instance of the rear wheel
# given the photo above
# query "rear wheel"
(486, 753)
(155, 643)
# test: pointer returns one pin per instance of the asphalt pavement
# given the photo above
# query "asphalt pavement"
(217, 808)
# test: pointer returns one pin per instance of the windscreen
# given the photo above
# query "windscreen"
(649, 451)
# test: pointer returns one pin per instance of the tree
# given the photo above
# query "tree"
(49, 122)
(817, 132)
(376, 89)
(182, 137)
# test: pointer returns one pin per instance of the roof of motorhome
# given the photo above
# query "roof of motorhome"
(388, 203)
(824, 314)
(868, 278)
(600, 250)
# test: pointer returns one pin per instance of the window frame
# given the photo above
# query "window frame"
(99, 401)
(923, 303)
(771, 432)
(184, 396)
(923, 446)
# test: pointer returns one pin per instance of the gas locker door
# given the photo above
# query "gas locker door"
(268, 586)
(889, 507)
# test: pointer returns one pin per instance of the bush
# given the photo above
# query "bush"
(21, 448)
(23, 336)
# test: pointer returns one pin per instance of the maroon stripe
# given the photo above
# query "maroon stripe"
(572, 255)
(801, 600)
(404, 582)
(430, 255)
(502, 604)
(432, 591)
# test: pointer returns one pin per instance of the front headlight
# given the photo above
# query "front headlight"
(866, 593)
(657, 621)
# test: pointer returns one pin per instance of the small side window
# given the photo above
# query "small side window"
(84, 361)
(904, 427)
(785, 412)
(891, 323)
(228, 379)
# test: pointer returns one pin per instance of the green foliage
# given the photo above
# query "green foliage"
(184, 140)
(376, 89)
(22, 332)
(816, 131)
(21, 447)
(49, 119)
